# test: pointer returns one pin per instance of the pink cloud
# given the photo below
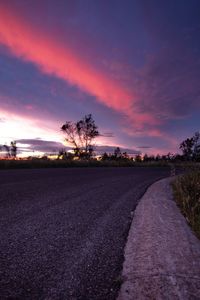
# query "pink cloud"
(29, 107)
(52, 57)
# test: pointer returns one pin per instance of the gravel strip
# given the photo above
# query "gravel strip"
(162, 255)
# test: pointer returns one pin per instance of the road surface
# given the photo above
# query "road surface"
(63, 231)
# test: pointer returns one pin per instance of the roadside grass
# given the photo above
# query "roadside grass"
(43, 163)
(186, 190)
(188, 166)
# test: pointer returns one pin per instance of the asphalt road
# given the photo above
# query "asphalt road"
(63, 231)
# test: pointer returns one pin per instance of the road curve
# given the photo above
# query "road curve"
(63, 231)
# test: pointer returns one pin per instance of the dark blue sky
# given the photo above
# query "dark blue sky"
(135, 65)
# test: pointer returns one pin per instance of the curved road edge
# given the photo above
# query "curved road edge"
(162, 255)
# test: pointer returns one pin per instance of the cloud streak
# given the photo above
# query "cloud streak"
(40, 145)
(58, 59)
(54, 147)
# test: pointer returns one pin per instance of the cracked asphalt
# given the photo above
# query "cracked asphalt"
(63, 231)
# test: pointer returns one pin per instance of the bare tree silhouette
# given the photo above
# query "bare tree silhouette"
(81, 135)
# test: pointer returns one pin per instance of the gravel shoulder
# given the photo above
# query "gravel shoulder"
(162, 255)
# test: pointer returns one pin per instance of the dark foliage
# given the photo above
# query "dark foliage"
(191, 147)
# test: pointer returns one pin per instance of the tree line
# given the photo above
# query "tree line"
(81, 135)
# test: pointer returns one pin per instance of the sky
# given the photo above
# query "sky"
(134, 65)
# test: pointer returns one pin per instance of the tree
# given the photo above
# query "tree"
(125, 156)
(138, 158)
(10, 151)
(62, 154)
(105, 156)
(117, 153)
(196, 151)
(191, 147)
(187, 147)
(6, 150)
(158, 157)
(81, 135)
(145, 158)
(13, 149)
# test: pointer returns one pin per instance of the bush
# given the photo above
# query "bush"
(187, 195)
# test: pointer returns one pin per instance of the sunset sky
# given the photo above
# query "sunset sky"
(134, 65)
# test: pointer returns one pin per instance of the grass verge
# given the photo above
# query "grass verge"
(186, 190)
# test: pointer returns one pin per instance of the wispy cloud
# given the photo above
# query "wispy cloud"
(31, 145)
(168, 86)
(58, 59)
